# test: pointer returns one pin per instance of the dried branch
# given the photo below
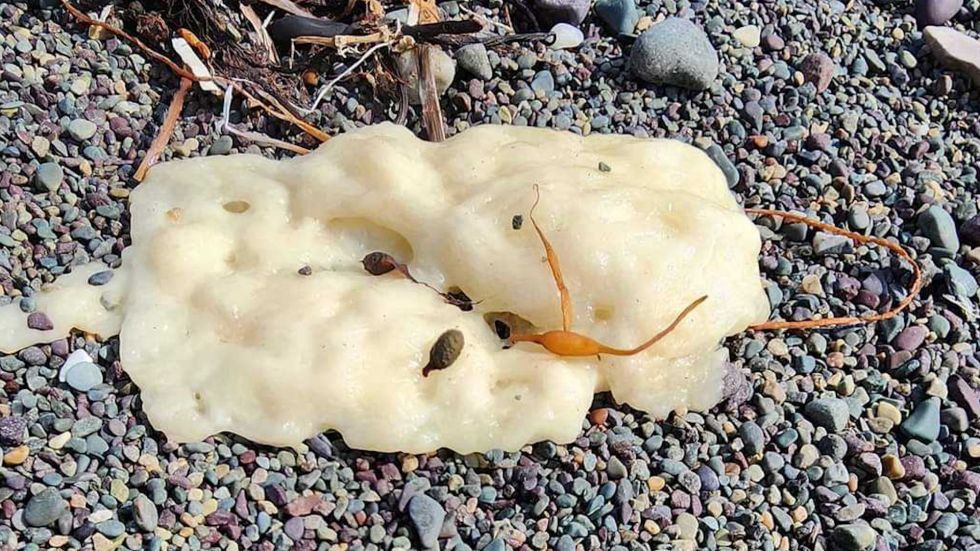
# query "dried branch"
(428, 90)
(166, 130)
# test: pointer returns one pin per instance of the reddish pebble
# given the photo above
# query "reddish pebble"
(759, 141)
(303, 505)
(599, 416)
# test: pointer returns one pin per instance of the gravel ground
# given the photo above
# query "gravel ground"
(855, 438)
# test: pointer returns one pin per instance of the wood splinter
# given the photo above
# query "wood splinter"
(565, 342)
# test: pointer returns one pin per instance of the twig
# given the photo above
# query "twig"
(848, 320)
(281, 112)
(166, 130)
(123, 34)
(427, 13)
(429, 94)
(341, 40)
(267, 140)
(547, 38)
(429, 30)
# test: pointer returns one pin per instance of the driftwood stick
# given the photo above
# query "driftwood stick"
(429, 94)
(166, 130)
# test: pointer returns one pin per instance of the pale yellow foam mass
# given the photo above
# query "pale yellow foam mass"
(222, 333)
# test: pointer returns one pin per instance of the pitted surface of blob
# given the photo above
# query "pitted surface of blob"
(222, 333)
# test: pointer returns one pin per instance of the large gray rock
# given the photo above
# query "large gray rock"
(674, 51)
(924, 422)
(936, 12)
(955, 50)
(552, 12)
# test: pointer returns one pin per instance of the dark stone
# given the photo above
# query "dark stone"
(936, 12)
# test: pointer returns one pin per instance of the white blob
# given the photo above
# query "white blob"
(221, 333)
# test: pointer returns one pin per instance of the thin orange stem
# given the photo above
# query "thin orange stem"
(845, 320)
(653, 340)
(566, 299)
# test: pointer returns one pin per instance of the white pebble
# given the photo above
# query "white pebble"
(749, 35)
(566, 36)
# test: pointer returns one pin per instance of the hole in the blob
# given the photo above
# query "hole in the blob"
(237, 207)
(603, 313)
(232, 259)
(502, 329)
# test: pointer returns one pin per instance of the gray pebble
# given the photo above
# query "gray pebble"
(853, 537)
(83, 376)
(830, 413)
(44, 508)
(938, 226)
(620, 16)
(473, 59)
(81, 129)
(100, 278)
(221, 146)
(923, 424)
(49, 176)
(717, 155)
(427, 516)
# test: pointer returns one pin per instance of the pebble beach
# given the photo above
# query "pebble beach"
(860, 114)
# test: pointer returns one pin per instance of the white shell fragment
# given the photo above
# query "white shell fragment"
(566, 37)
(221, 332)
(190, 58)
